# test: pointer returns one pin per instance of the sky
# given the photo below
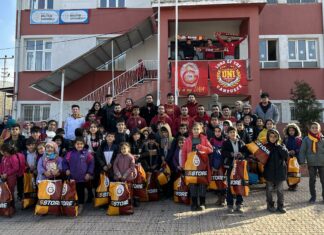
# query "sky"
(7, 35)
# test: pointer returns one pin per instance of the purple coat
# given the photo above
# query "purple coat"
(43, 165)
(79, 164)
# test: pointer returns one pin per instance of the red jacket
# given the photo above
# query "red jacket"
(164, 119)
(135, 122)
(173, 111)
(229, 47)
(204, 119)
(204, 146)
(192, 109)
(9, 165)
(181, 120)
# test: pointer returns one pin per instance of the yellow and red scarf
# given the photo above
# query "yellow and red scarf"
(314, 138)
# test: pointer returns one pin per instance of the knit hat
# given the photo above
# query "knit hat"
(247, 106)
(53, 144)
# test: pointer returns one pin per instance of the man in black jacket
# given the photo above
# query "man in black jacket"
(149, 110)
(16, 139)
(107, 111)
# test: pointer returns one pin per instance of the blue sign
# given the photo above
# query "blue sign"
(44, 17)
(74, 16)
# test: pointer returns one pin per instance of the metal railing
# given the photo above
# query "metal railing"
(144, 70)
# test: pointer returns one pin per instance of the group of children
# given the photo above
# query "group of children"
(94, 151)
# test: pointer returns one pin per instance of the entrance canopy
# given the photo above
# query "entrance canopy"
(96, 57)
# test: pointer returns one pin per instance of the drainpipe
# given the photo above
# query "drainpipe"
(62, 99)
(17, 59)
(158, 100)
(176, 52)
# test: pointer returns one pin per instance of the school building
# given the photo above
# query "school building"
(94, 47)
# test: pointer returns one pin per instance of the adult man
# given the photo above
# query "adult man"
(172, 110)
(209, 51)
(16, 139)
(73, 122)
(267, 110)
(149, 110)
(161, 117)
(238, 110)
(117, 115)
(192, 105)
(202, 116)
(135, 121)
(107, 111)
(188, 50)
(227, 114)
(247, 110)
(229, 46)
(184, 118)
(216, 111)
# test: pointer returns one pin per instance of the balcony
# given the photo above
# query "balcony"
(169, 3)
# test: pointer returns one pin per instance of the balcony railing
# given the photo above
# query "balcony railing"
(168, 3)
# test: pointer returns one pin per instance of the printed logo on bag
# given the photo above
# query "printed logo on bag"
(151, 191)
(119, 203)
(196, 160)
(196, 173)
(120, 190)
(49, 202)
(218, 177)
(67, 203)
(50, 189)
(4, 205)
(236, 182)
(102, 195)
(106, 182)
(262, 147)
(64, 189)
(181, 194)
(138, 186)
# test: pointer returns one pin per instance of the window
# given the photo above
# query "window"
(35, 112)
(293, 116)
(272, 1)
(41, 4)
(112, 3)
(302, 53)
(38, 55)
(301, 1)
(279, 110)
(268, 54)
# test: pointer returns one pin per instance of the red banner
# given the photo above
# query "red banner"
(192, 77)
(228, 77)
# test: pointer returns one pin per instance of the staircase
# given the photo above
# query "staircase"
(134, 83)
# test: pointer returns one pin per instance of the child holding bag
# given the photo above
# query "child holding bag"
(79, 166)
(9, 167)
(124, 164)
(197, 142)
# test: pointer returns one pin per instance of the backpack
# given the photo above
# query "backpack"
(22, 164)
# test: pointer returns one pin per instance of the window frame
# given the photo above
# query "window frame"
(42, 112)
(263, 63)
(301, 2)
(34, 3)
(307, 60)
(34, 52)
(116, 6)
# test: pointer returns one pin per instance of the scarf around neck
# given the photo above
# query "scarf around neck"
(314, 138)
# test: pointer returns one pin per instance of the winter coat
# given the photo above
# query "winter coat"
(20, 144)
(306, 153)
(9, 165)
(182, 120)
(192, 109)
(205, 119)
(44, 164)
(148, 112)
(165, 119)
(79, 164)
(173, 111)
(135, 122)
(100, 159)
(228, 150)
(107, 112)
(204, 146)
(275, 170)
(124, 166)
(271, 113)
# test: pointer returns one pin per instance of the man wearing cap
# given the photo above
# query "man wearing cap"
(267, 110)
(135, 120)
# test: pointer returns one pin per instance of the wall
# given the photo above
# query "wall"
(146, 51)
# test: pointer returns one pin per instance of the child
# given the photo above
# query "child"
(196, 142)
(43, 129)
(36, 134)
(121, 135)
(59, 140)
(16, 139)
(124, 164)
(293, 142)
(226, 125)
(136, 145)
(268, 125)
(50, 164)
(105, 156)
(9, 167)
(258, 128)
(275, 171)
(79, 165)
(40, 151)
(166, 139)
(244, 136)
(31, 155)
(94, 138)
(248, 127)
(152, 155)
(233, 148)
(217, 142)
(176, 158)
(312, 150)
